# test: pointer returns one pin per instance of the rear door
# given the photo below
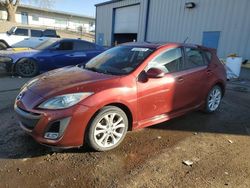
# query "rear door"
(191, 81)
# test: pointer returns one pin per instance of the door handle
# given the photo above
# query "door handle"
(180, 79)
(209, 72)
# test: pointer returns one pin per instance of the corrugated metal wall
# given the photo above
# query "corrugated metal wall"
(169, 20)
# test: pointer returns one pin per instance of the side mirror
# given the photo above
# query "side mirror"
(155, 73)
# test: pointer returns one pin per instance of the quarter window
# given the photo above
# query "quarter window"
(169, 61)
(194, 58)
(22, 32)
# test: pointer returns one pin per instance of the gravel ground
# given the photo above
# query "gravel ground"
(217, 145)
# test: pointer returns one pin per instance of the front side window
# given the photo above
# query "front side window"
(194, 58)
(120, 60)
(169, 61)
(22, 32)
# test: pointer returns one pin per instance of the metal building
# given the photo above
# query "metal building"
(221, 24)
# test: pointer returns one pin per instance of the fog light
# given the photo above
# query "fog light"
(52, 136)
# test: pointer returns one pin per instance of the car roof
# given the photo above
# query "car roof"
(157, 45)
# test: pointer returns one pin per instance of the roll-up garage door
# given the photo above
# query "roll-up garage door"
(127, 19)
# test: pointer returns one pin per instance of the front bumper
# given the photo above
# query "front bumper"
(72, 124)
(6, 63)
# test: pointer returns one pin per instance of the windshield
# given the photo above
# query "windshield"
(11, 30)
(120, 60)
(46, 44)
(29, 43)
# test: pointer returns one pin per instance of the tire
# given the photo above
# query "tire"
(102, 136)
(3, 46)
(213, 99)
(26, 67)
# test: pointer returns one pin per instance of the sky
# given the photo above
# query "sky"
(84, 7)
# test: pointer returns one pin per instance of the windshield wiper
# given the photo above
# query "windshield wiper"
(94, 69)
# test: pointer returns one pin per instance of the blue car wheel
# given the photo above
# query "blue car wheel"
(26, 67)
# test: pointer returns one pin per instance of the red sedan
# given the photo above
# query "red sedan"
(125, 88)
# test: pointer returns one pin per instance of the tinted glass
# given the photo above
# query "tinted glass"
(36, 33)
(208, 56)
(120, 60)
(169, 61)
(64, 46)
(22, 32)
(49, 33)
(82, 46)
(194, 58)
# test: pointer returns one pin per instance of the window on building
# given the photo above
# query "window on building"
(91, 24)
(22, 32)
(194, 58)
(84, 46)
(60, 21)
(36, 33)
(169, 61)
(35, 17)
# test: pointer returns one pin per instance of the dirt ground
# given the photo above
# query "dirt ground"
(217, 144)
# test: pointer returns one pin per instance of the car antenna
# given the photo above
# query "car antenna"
(186, 40)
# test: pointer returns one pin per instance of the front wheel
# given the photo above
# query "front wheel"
(107, 129)
(213, 99)
(26, 67)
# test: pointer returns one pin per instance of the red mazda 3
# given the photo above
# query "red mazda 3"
(128, 87)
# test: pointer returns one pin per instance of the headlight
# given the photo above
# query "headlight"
(64, 101)
(5, 60)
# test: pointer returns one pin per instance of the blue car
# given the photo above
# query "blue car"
(44, 55)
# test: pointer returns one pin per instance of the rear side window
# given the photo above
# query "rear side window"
(208, 56)
(194, 58)
(22, 32)
(36, 33)
(169, 61)
(84, 46)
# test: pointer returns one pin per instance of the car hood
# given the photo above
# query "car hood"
(66, 80)
(11, 51)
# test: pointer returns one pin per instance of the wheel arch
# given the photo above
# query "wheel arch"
(222, 86)
(3, 41)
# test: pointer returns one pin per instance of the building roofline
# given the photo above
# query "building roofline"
(107, 2)
(56, 11)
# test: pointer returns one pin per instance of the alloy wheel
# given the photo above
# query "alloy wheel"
(109, 130)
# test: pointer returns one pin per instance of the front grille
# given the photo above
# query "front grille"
(28, 119)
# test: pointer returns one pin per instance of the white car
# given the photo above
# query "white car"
(18, 34)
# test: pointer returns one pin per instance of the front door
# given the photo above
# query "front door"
(156, 95)
(24, 18)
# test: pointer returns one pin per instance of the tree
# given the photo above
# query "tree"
(11, 6)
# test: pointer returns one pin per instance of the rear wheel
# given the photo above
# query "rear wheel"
(26, 67)
(213, 99)
(2, 46)
(107, 129)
